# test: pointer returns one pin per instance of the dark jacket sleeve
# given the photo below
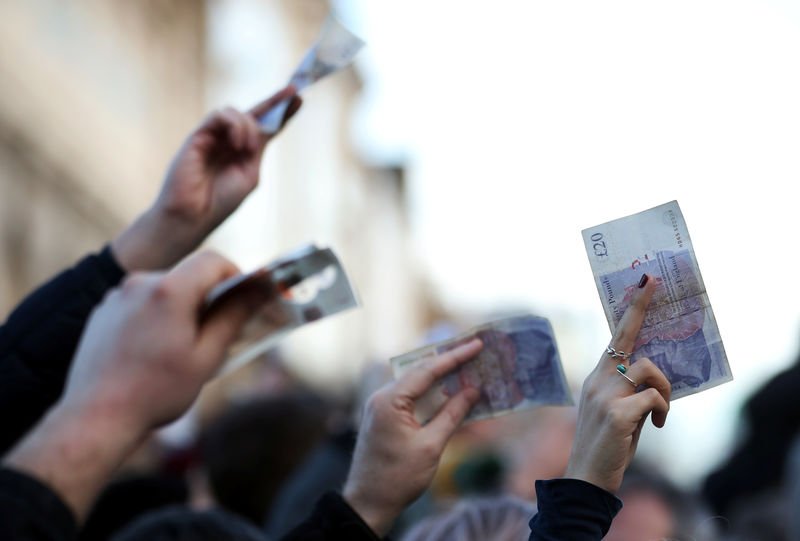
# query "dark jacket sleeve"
(39, 338)
(332, 520)
(30, 510)
(572, 510)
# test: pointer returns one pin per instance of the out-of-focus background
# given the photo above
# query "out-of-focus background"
(452, 168)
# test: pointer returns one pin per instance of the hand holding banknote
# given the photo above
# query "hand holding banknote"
(680, 332)
(518, 368)
(215, 169)
(301, 287)
(612, 410)
(395, 457)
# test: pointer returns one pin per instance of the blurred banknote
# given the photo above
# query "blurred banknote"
(303, 286)
(518, 368)
(679, 333)
(335, 48)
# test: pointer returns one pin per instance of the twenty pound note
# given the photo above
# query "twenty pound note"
(518, 368)
(335, 48)
(679, 333)
(304, 286)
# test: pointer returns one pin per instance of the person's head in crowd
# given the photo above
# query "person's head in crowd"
(540, 447)
(129, 497)
(758, 464)
(253, 447)
(499, 519)
(657, 509)
(183, 524)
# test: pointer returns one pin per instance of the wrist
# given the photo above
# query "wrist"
(156, 240)
(378, 517)
(605, 482)
(75, 450)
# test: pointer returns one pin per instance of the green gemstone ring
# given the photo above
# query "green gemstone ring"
(621, 371)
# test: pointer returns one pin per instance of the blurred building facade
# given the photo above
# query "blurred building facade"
(316, 188)
(96, 96)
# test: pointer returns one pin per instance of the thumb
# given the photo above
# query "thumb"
(221, 326)
(450, 416)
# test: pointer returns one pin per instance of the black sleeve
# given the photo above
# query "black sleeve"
(39, 338)
(572, 510)
(30, 510)
(332, 520)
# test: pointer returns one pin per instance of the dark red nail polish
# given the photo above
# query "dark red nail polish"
(643, 281)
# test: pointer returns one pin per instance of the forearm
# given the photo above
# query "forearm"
(74, 452)
(156, 241)
(39, 339)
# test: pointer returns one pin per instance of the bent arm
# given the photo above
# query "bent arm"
(39, 339)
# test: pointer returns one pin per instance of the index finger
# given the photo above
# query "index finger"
(418, 381)
(628, 329)
(261, 108)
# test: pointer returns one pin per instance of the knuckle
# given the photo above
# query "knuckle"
(429, 450)
(375, 401)
(162, 289)
(133, 282)
(615, 416)
(589, 391)
(621, 336)
(653, 395)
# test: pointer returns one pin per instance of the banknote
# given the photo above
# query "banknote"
(679, 333)
(518, 368)
(303, 286)
(334, 49)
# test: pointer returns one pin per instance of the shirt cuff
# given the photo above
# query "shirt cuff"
(575, 505)
(29, 507)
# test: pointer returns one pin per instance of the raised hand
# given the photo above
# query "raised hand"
(142, 361)
(612, 411)
(215, 169)
(395, 458)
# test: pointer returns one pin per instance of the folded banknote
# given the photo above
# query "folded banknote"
(679, 332)
(334, 49)
(303, 286)
(518, 368)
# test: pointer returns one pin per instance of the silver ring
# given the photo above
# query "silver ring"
(621, 371)
(617, 354)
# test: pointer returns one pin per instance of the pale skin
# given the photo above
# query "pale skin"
(142, 361)
(395, 457)
(214, 171)
(611, 412)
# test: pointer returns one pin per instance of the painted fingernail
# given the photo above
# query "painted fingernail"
(643, 281)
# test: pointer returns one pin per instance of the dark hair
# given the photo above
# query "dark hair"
(128, 498)
(183, 524)
(250, 450)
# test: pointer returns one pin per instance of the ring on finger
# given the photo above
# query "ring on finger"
(621, 371)
(617, 354)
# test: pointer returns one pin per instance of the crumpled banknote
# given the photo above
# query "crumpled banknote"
(305, 285)
(334, 49)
